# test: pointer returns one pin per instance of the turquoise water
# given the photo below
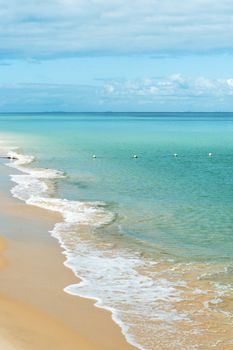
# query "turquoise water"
(184, 203)
(164, 208)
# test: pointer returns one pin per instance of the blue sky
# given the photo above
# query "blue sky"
(101, 55)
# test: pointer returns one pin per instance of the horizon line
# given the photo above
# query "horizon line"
(113, 112)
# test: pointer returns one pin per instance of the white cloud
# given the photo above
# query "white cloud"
(230, 83)
(109, 88)
(63, 27)
(174, 86)
(177, 78)
(153, 90)
(162, 94)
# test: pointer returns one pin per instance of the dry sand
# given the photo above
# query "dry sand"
(35, 311)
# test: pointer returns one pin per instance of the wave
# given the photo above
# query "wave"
(34, 187)
(142, 295)
(107, 274)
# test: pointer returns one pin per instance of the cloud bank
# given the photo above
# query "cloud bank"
(105, 27)
(175, 85)
(173, 93)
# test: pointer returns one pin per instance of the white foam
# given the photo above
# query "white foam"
(111, 277)
(34, 182)
(141, 299)
(115, 280)
(33, 187)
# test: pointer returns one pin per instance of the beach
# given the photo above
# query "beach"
(116, 185)
(35, 311)
(116, 252)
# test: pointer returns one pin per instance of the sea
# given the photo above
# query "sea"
(147, 207)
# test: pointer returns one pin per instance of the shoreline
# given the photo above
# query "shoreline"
(33, 262)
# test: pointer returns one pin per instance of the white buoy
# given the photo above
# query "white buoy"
(175, 155)
(210, 154)
(135, 156)
(94, 156)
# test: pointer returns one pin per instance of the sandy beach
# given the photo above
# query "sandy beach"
(35, 311)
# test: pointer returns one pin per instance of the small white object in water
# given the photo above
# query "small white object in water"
(175, 155)
(94, 156)
(135, 156)
(210, 154)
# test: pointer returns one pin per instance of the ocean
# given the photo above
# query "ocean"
(151, 236)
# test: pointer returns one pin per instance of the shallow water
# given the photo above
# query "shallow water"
(150, 237)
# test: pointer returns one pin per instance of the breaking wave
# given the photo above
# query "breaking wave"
(150, 300)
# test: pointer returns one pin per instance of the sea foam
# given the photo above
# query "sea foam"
(109, 276)
(141, 295)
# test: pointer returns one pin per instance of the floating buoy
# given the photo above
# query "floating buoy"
(94, 156)
(210, 154)
(135, 156)
(175, 155)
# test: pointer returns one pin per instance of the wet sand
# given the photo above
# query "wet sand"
(35, 311)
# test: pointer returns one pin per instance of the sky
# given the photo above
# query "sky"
(116, 55)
